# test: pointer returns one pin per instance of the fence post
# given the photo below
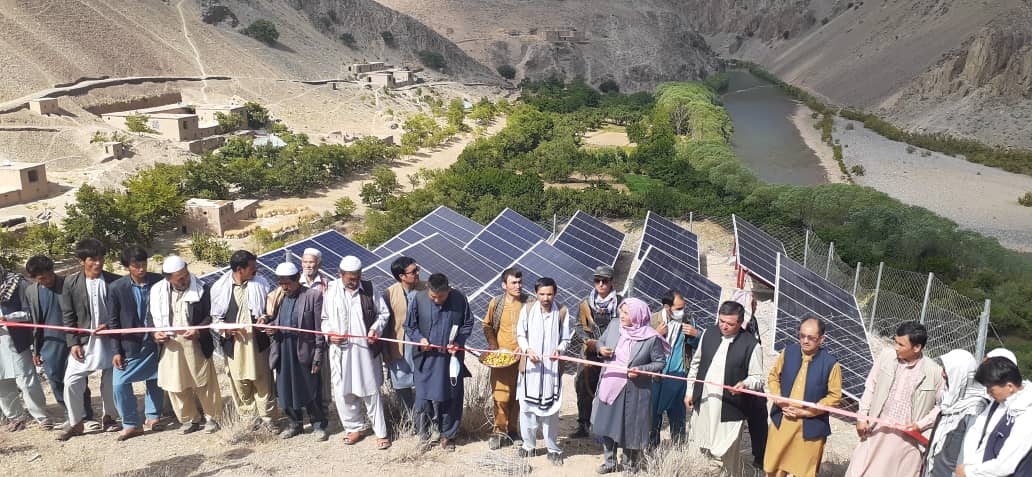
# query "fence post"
(928, 292)
(555, 220)
(691, 221)
(827, 266)
(856, 278)
(983, 332)
(877, 287)
(806, 246)
(287, 256)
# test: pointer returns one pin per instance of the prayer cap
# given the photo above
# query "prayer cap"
(173, 264)
(1002, 353)
(286, 269)
(351, 263)
(313, 252)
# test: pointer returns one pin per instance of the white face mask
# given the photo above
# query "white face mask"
(677, 314)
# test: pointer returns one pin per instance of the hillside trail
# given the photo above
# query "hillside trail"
(196, 52)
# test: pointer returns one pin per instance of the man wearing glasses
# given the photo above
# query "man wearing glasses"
(399, 356)
(596, 311)
(807, 372)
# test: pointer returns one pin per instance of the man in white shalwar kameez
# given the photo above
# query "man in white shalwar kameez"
(352, 307)
(543, 332)
(729, 356)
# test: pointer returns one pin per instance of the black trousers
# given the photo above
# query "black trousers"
(756, 417)
(586, 384)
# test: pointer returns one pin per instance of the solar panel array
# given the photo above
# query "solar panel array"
(670, 238)
(756, 250)
(333, 245)
(590, 241)
(658, 272)
(800, 293)
(450, 224)
(506, 238)
(437, 254)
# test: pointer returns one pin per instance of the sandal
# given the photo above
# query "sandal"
(16, 425)
(383, 444)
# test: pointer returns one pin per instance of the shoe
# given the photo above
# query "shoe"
(211, 427)
(447, 444)
(192, 428)
(321, 435)
(45, 423)
(581, 432)
(515, 437)
(129, 433)
(524, 453)
(383, 443)
(352, 438)
(605, 469)
(16, 424)
(153, 425)
(290, 432)
(494, 442)
(76, 430)
(555, 458)
(91, 425)
(109, 424)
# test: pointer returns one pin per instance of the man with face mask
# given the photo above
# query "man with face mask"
(353, 308)
(185, 369)
(680, 332)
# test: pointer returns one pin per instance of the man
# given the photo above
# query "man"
(17, 371)
(1006, 442)
(84, 305)
(503, 313)
(804, 372)
(730, 356)
(904, 386)
(974, 447)
(353, 308)
(397, 355)
(186, 370)
(50, 350)
(542, 331)
(596, 312)
(311, 260)
(239, 296)
(136, 355)
(440, 321)
(297, 356)
(755, 406)
(668, 394)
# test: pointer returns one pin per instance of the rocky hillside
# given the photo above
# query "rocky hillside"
(963, 66)
(637, 44)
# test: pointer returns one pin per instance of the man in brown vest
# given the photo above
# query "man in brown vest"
(500, 330)
(398, 356)
(596, 312)
(352, 308)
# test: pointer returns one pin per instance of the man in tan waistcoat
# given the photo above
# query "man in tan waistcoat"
(397, 356)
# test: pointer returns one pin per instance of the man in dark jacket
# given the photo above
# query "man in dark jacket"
(136, 355)
(17, 372)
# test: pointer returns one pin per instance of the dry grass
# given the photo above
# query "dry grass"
(506, 463)
(677, 460)
(478, 406)
(237, 429)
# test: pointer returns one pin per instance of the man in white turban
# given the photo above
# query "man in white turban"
(311, 260)
(353, 308)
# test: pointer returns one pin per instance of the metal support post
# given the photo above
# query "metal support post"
(806, 246)
(928, 293)
(983, 332)
(877, 288)
(856, 278)
(827, 266)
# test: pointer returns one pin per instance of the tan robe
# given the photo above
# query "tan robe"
(185, 373)
(249, 369)
(503, 380)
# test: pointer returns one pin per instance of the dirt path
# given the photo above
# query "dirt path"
(196, 52)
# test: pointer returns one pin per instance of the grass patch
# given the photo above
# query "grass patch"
(638, 183)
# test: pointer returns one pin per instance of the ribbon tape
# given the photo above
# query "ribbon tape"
(921, 439)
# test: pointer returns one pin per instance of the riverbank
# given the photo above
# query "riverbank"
(804, 122)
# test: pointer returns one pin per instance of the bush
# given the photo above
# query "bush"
(431, 59)
(344, 208)
(609, 86)
(256, 114)
(1026, 199)
(137, 123)
(263, 31)
(230, 122)
(347, 39)
(911, 149)
(507, 72)
(207, 249)
(388, 39)
(857, 170)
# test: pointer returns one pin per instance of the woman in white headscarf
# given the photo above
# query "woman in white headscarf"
(961, 402)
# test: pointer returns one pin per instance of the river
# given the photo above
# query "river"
(765, 139)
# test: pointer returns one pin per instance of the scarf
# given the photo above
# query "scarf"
(608, 303)
(963, 397)
(222, 292)
(11, 282)
(161, 300)
(542, 382)
(613, 380)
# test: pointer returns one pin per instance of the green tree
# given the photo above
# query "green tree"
(507, 72)
(43, 239)
(348, 39)
(344, 208)
(419, 128)
(456, 114)
(483, 111)
(154, 201)
(383, 187)
(97, 214)
(137, 123)
(431, 59)
(210, 250)
(230, 122)
(609, 86)
(388, 39)
(257, 115)
(263, 31)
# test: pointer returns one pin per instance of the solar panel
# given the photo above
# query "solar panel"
(658, 272)
(438, 254)
(590, 241)
(506, 238)
(444, 221)
(542, 260)
(672, 239)
(800, 293)
(756, 251)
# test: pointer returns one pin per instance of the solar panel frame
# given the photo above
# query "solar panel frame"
(600, 245)
(450, 224)
(663, 272)
(504, 239)
(760, 255)
(846, 336)
(436, 253)
(665, 235)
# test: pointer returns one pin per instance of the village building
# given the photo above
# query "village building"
(22, 182)
(356, 70)
(393, 78)
(215, 217)
(44, 106)
(564, 34)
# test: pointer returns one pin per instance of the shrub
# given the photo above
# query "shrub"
(256, 114)
(911, 149)
(388, 39)
(344, 208)
(347, 39)
(431, 59)
(230, 122)
(263, 31)
(207, 249)
(137, 123)
(609, 86)
(857, 170)
(1026, 199)
(507, 72)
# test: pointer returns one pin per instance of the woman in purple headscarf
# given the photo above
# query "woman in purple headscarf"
(621, 411)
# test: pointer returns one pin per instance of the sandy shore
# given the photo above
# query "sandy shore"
(812, 138)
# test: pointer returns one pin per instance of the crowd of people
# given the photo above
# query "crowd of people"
(320, 341)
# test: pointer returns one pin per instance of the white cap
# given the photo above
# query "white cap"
(173, 264)
(351, 263)
(313, 252)
(1002, 353)
(286, 269)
